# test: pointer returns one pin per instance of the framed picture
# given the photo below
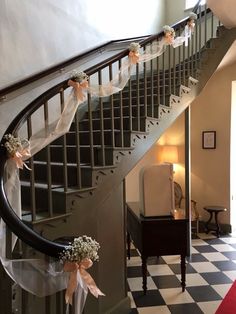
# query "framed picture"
(209, 139)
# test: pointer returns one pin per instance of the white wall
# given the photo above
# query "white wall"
(35, 35)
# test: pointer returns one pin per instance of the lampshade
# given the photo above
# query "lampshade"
(170, 154)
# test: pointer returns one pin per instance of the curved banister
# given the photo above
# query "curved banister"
(25, 233)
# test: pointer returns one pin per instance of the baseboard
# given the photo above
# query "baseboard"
(123, 307)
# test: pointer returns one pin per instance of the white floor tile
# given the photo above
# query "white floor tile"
(175, 296)
(223, 247)
(204, 267)
(172, 259)
(206, 236)
(231, 274)
(222, 289)
(229, 240)
(209, 307)
(215, 256)
(197, 242)
(159, 270)
(132, 303)
(193, 280)
(134, 261)
(194, 251)
(136, 283)
(154, 310)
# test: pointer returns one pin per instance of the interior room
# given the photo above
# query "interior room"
(117, 172)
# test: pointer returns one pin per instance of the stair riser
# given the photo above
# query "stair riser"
(150, 100)
(57, 176)
(41, 200)
(84, 125)
(152, 111)
(84, 138)
(57, 156)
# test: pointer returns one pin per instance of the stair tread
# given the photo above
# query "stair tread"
(88, 146)
(43, 217)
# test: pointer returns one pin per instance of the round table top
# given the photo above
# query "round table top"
(215, 208)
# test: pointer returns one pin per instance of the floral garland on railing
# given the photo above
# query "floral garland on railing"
(20, 150)
(78, 257)
(17, 150)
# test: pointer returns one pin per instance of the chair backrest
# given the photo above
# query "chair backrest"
(156, 190)
(178, 194)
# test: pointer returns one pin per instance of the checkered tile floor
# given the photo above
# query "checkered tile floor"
(209, 275)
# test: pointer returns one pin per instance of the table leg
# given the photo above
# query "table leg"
(183, 272)
(128, 244)
(144, 272)
(217, 225)
(208, 221)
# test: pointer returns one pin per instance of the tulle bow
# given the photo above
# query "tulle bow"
(169, 38)
(134, 57)
(19, 156)
(79, 88)
(73, 268)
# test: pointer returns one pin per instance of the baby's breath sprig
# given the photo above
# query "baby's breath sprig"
(134, 47)
(169, 30)
(14, 144)
(81, 248)
(79, 77)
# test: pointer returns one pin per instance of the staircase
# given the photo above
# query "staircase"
(75, 183)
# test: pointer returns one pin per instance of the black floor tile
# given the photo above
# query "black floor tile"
(216, 278)
(205, 249)
(169, 281)
(188, 308)
(195, 258)
(203, 293)
(231, 255)
(135, 271)
(225, 265)
(214, 241)
(177, 270)
(152, 298)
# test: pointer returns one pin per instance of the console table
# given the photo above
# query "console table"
(156, 236)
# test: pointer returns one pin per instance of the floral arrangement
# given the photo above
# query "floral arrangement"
(134, 47)
(81, 248)
(169, 34)
(79, 76)
(79, 81)
(17, 149)
(192, 16)
(190, 22)
(134, 52)
(78, 257)
(168, 30)
(12, 144)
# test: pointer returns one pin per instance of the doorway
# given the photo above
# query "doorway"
(233, 159)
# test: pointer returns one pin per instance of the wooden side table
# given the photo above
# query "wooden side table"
(214, 210)
(157, 236)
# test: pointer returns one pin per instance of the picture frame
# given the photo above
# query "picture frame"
(209, 139)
